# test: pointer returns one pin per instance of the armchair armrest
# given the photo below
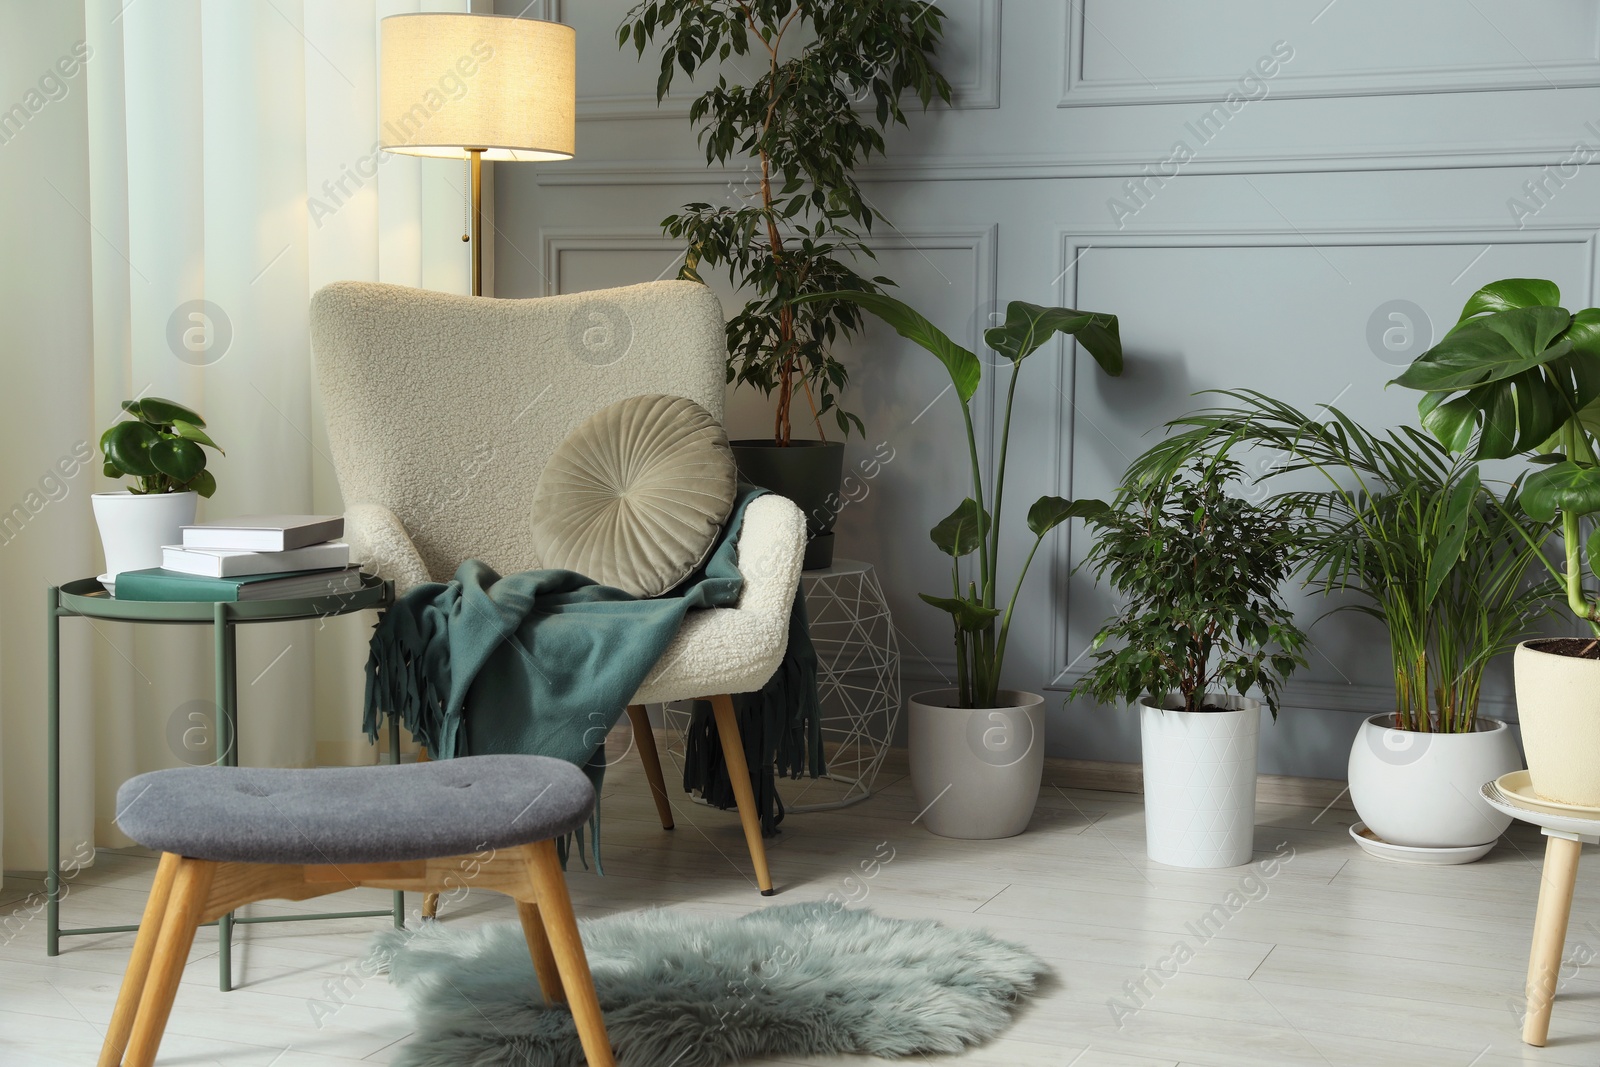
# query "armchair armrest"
(735, 650)
(379, 540)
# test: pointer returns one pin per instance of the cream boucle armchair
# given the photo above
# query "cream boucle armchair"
(443, 410)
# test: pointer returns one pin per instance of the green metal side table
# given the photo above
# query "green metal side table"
(87, 598)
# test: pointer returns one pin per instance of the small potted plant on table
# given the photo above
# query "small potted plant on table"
(162, 448)
(977, 751)
(831, 80)
(1204, 625)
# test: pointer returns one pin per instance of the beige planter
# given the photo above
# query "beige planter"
(1558, 704)
(976, 771)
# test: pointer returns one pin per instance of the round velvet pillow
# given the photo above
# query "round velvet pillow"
(636, 496)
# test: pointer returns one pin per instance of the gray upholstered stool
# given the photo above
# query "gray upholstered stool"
(229, 836)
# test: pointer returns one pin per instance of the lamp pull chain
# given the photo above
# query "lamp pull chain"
(466, 205)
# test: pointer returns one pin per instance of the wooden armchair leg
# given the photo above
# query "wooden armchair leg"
(190, 886)
(561, 927)
(144, 949)
(430, 901)
(739, 774)
(645, 738)
(544, 961)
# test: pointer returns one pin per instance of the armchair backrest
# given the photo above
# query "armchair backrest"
(445, 409)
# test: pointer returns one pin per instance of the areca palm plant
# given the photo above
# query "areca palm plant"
(1439, 558)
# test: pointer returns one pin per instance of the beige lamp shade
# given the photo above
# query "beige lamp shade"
(453, 82)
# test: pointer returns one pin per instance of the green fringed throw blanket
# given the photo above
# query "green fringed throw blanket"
(544, 663)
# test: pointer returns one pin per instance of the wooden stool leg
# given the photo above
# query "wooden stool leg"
(144, 947)
(645, 738)
(191, 884)
(430, 901)
(1549, 935)
(544, 961)
(555, 909)
(739, 774)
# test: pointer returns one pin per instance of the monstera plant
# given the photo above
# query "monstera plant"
(1002, 730)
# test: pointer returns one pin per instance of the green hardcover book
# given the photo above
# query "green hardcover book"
(157, 583)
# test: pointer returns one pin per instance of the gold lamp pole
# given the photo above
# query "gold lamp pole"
(477, 87)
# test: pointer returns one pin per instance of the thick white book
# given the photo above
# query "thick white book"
(264, 533)
(233, 563)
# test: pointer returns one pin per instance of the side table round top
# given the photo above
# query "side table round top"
(1564, 823)
(86, 596)
(837, 568)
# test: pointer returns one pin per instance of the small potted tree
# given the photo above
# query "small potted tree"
(1519, 375)
(831, 79)
(977, 751)
(1204, 626)
(162, 448)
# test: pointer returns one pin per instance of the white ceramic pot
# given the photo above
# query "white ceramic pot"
(1558, 706)
(1422, 790)
(134, 526)
(1200, 782)
(976, 771)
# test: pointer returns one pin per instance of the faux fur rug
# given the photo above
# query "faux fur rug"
(685, 991)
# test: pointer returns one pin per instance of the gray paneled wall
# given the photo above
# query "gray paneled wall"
(1248, 184)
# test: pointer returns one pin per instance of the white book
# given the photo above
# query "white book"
(264, 533)
(232, 563)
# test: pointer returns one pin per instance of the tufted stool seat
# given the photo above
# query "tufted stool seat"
(229, 836)
(354, 814)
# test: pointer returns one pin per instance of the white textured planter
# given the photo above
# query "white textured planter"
(1422, 790)
(134, 526)
(1558, 706)
(1200, 782)
(976, 771)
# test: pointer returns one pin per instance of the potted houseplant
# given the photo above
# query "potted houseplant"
(1519, 375)
(1437, 557)
(162, 448)
(1204, 625)
(831, 78)
(977, 751)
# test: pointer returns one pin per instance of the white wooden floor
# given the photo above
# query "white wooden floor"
(1336, 959)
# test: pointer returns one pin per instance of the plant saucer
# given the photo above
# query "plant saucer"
(1517, 787)
(1432, 857)
(109, 582)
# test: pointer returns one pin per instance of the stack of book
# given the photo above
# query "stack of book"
(256, 557)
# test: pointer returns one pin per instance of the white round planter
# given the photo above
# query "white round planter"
(976, 771)
(1200, 782)
(1422, 790)
(134, 526)
(1558, 707)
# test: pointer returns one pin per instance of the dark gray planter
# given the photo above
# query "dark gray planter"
(807, 472)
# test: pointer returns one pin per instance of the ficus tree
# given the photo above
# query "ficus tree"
(803, 92)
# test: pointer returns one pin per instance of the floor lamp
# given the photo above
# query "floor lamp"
(477, 87)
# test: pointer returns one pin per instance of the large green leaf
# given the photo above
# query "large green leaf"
(205, 484)
(1515, 415)
(968, 616)
(1512, 293)
(1489, 349)
(961, 532)
(965, 370)
(127, 446)
(1048, 512)
(1028, 326)
(159, 411)
(190, 432)
(1564, 487)
(178, 459)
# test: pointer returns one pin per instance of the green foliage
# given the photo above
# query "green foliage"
(814, 113)
(981, 627)
(1201, 571)
(160, 447)
(1520, 375)
(1433, 554)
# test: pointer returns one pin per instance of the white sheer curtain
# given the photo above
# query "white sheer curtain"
(230, 158)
